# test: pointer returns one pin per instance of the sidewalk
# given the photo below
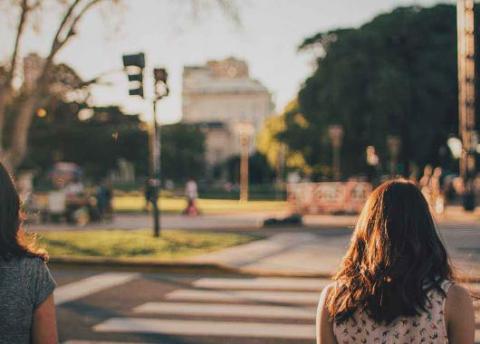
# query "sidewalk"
(316, 249)
(320, 253)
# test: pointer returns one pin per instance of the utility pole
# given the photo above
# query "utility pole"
(466, 97)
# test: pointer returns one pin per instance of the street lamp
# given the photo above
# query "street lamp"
(335, 132)
(245, 131)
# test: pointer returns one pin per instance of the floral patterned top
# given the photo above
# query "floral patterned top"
(428, 328)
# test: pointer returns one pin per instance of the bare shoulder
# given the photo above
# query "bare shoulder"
(326, 292)
(324, 324)
(323, 301)
(459, 315)
(458, 296)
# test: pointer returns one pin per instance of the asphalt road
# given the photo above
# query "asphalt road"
(95, 306)
(131, 307)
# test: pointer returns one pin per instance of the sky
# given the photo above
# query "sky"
(172, 36)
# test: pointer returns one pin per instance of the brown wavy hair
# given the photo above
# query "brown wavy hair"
(14, 242)
(395, 258)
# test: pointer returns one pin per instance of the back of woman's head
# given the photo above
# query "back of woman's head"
(395, 257)
(13, 242)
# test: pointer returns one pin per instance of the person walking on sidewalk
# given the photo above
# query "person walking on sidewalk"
(191, 193)
(395, 284)
(27, 310)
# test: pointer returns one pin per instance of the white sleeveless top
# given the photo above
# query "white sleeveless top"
(429, 327)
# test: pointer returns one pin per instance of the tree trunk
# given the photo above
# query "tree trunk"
(3, 108)
(16, 152)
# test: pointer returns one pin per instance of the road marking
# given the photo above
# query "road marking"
(207, 328)
(244, 295)
(90, 285)
(234, 310)
(263, 283)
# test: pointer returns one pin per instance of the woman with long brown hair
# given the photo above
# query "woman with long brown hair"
(27, 310)
(395, 284)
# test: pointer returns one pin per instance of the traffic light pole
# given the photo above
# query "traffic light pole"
(134, 65)
(156, 171)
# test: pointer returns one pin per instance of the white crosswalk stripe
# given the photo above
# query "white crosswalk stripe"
(208, 328)
(292, 297)
(259, 311)
(261, 283)
(91, 285)
(229, 307)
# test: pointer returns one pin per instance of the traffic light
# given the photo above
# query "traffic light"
(160, 75)
(161, 88)
(134, 66)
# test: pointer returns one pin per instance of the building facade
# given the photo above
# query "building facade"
(220, 95)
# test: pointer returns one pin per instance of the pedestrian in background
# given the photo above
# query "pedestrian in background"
(191, 193)
(395, 284)
(27, 310)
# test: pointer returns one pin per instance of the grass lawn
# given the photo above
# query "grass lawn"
(172, 245)
(206, 206)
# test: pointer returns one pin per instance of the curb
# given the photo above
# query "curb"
(174, 266)
(152, 265)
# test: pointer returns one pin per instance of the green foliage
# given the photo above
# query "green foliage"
(95, 144)
(269, 141)
(183, 150)
(259, 170)
(395, 75)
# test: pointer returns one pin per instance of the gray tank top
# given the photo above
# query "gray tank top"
(24, 284)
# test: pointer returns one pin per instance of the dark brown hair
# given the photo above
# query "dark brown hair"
(14, 242)
(395, 257)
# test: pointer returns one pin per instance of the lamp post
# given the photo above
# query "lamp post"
(466, 97)
(335, 132)
(245, 131)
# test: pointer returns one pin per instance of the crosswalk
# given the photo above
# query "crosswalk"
(229, 307)
(241, 308)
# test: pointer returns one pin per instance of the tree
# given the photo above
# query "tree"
(270, 143)
(59, 134)
(183, 150)
(33, 95)
(396, 75)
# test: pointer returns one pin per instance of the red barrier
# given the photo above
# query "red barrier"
(328, 197)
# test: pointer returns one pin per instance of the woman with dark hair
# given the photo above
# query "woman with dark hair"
(395, 284)
(27, 310)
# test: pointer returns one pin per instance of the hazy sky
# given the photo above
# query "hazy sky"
(267, 38)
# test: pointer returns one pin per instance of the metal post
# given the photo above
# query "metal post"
(466, 96)
(156, 171)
